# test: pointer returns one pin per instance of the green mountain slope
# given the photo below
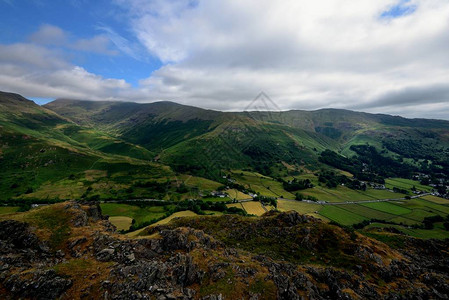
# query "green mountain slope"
(39, 148)
(51, 143)
(204, 141)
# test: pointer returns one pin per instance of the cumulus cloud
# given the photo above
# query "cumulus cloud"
(36, 71)
(305, 54)
(97, 44)
(49, 35)
(385, 56)
(42, 68)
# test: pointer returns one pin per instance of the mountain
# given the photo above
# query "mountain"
(167, 201)
(44, 146)
(41, 148)
(196, 140)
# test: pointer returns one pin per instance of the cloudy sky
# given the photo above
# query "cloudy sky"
(387, 56)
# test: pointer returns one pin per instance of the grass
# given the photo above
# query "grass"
(140, 214)
(405, 221)
(238, 205)
(405, 184)
(8, 209)
(388, 208)
(52, 223)
(179, 214)
(340, 215)
(299, 206)
(213, 213)
(237, 195)
(423, 204)
(253, 208)
(436, 200)
(418, 214)
(338, 194)
(202, 183)
(141, 232)
(216, 199)
(79, 270)
(367, 212)
(381, 194)
(261, 184)
(437, 233)
(122, 223)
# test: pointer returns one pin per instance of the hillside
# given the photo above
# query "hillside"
(66, 138)
(195, 140)
(70, 251)
(45, 156)
(182, 158)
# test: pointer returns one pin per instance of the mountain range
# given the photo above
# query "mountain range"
(121, 200)
(42, 145)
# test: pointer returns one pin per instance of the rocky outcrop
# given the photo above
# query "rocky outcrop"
(21, 250)
(39, 284)
(183, 262)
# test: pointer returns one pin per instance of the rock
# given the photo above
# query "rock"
(39, 284)
(105, 254)
(94, 211)
(293, 218)
(80, 219)
(130, 257)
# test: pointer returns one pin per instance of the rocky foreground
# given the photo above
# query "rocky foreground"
(71, 251)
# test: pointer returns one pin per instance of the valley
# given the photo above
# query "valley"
(345, 167)
(135, 194)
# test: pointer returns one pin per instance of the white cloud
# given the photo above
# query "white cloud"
(305, 54)
(42, 67)
(35, 71)
(97, 44)
(49, 35)
(221, 54)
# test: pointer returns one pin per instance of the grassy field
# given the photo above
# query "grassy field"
(122, 223)
(253, 208)
(213, 213)
(263, 185)
(436, 200)
(424, 204)
(186, 213)
(388, 208)
(381, 194)
(8, 209)
(341, 216)
(367, 212)
(437, 233)
(418, 214)
(268, 187)
(139, 214)
(238, 205)
(202, 183)
(299, 206)
(237, 195)
(406, 184)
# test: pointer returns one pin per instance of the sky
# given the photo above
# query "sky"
(383, 56)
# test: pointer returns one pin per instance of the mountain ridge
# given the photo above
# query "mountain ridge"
(293, 110)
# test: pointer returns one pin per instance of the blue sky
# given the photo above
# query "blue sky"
(387, 56)
(403, 8)
(81, 20)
